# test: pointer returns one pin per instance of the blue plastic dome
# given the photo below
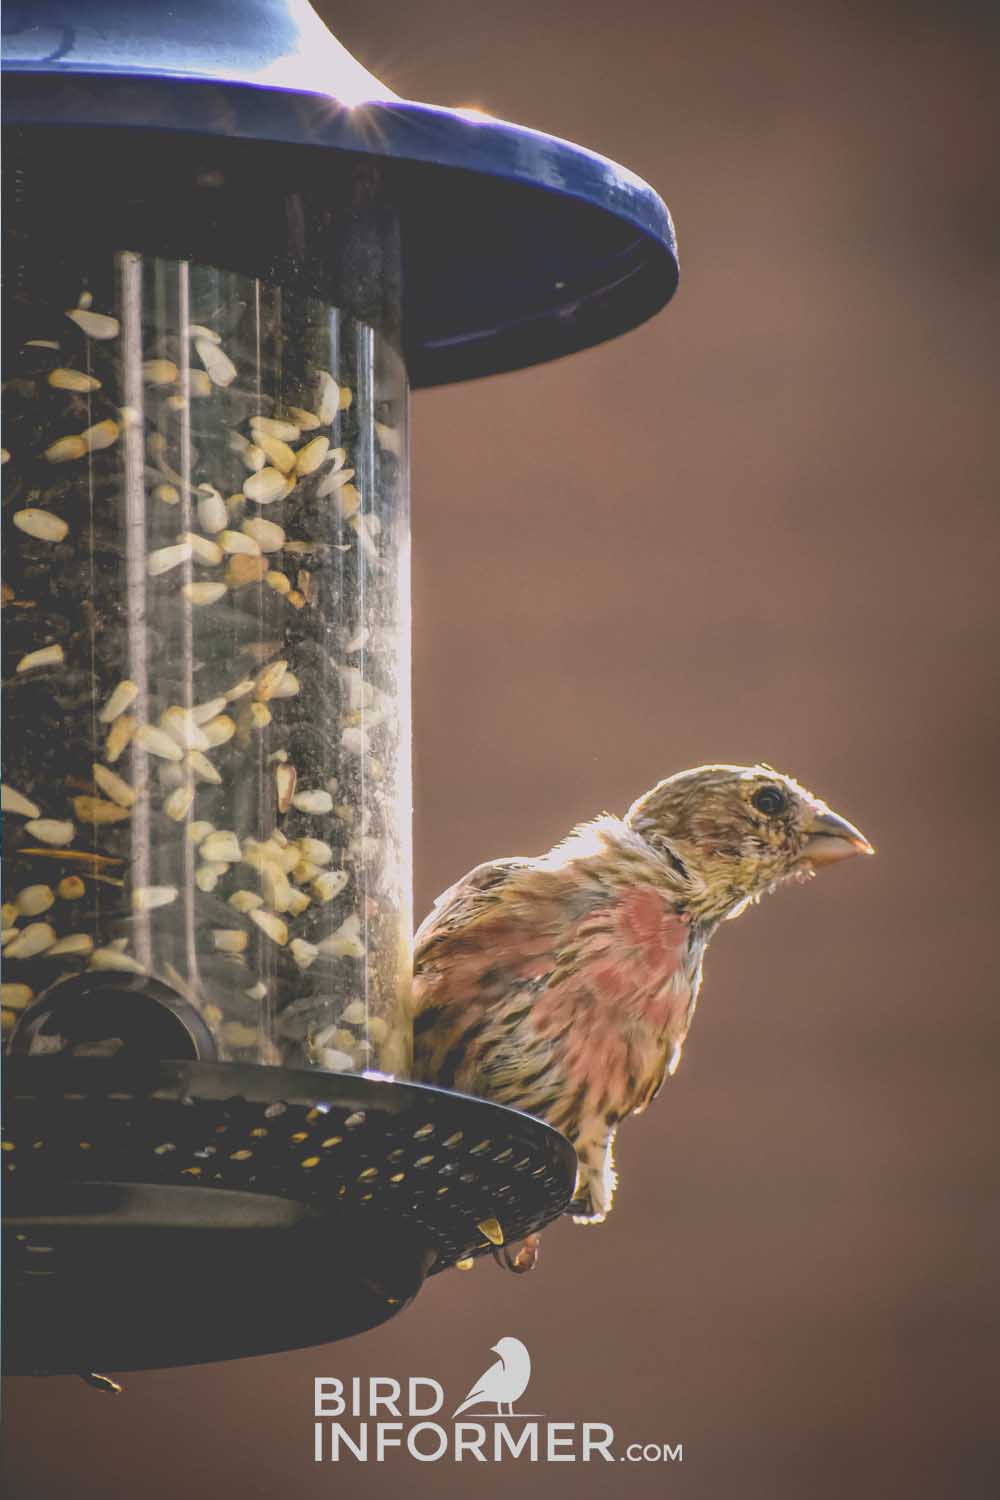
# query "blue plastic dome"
(519, 247)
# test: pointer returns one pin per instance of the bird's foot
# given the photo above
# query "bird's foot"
(520, 1257)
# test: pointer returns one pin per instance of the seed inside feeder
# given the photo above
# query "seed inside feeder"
(220, 711)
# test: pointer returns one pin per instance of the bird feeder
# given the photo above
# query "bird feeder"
(231, 253)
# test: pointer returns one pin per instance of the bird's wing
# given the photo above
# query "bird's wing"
(550, 987)
(487, 1388)
(460, 900)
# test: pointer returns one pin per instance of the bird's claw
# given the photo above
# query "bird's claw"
(520, 1257)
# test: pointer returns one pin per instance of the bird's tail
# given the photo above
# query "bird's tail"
(595, 1188)
(472, 1400)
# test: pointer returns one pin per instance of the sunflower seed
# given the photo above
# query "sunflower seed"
(268, 680)
(303, 953)
(316, 801)
(212, 513)
(236, 1034)
(96, 810)
(220, 368)
(284, 776)
(15, 802)
(329, 884)
(339, 480)
(41, 524)
(148, 897)
(73, 380)
(101, 435)
(113, 958)
(245, 901)
(159, 371)
(32, 939)
(157, 742)
(311, 455)
(204, 550)
(279, 453)
(118, 790)
(33, 900)
(119, 735)
(75, 943)
(219, 731)
(178, 804)
(94, 325)
(204, 593)
(124, 694)
(346, 941)
(263, 487)
(202, 767)
(276, 427)
(236, 541)
(230, 939)
(306, 421)
(65, 449)
(16, 996)
(221, 848)
(277, 887)
(267, 535)
(317, 851)
(272, 926)
(334, 1060)
(166, 558)
(179, 723)
(328, 398)
(48, 656)
(241, 570)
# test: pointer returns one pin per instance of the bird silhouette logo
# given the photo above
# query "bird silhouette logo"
(504, 1382)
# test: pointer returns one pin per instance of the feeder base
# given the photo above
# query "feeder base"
(166, 1213)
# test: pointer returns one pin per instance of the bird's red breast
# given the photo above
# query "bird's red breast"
(562, 986)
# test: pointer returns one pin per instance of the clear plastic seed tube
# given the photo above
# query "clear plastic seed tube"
(206, 697)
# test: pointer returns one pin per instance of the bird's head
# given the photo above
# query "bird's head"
(733, 833)
(508, 1348)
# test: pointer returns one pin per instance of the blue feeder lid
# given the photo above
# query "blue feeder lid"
(525, 247)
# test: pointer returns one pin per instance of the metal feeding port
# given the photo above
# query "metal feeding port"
(176, 1212)
(211, 1147)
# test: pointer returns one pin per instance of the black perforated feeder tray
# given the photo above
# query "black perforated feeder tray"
(175, 1212)
(230, 253)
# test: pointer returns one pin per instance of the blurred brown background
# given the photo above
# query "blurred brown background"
(760, 526)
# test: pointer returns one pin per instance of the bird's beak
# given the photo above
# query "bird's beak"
(494, 1348)
(830, 837)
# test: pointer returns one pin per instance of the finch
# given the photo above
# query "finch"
(565, 985)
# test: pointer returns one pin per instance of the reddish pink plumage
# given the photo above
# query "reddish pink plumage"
(563, 986)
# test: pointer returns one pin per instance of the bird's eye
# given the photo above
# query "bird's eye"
(769, 800)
